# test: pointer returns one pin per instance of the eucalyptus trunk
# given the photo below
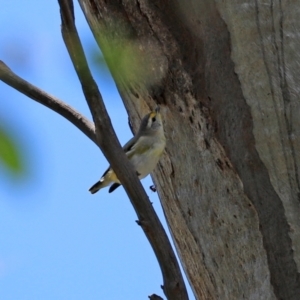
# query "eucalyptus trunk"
(226, 75)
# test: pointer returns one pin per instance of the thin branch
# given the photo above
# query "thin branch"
(174, 287)
(65, 110)
(155, 297)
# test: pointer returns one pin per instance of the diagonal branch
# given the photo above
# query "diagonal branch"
(174, 287)
(65, 110)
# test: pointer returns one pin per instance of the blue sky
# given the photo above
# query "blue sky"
(57, 241)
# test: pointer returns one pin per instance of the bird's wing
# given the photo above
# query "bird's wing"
(141, 145)
(127, 147)
(105, 172)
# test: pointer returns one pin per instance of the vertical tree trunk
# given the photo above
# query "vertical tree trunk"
(226, 74)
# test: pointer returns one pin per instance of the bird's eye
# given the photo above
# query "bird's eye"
(153, 119)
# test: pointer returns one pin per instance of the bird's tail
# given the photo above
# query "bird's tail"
(99, 185)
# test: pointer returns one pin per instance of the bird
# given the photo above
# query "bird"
(143, 151)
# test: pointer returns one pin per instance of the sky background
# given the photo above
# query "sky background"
(57, 241)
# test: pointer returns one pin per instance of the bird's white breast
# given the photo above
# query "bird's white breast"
(145, 163)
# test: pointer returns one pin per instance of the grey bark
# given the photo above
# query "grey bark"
(226, 74)
(174, 287)
(55, 104)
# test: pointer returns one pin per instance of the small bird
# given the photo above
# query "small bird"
(143, 151)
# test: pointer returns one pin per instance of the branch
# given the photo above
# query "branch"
(155, 297)
(174, 287)
(13, 80)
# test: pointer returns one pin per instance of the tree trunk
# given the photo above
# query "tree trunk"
(226, 75)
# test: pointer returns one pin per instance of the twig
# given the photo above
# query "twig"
(174, 287)
(65, 110)
(155, 297)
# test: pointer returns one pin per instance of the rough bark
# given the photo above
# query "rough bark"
(226, 75)
(174, 287)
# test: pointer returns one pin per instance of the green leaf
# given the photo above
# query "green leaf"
(10, 155)
(135, 62)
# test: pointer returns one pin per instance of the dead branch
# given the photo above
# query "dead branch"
(60, 107)
(174, 287)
